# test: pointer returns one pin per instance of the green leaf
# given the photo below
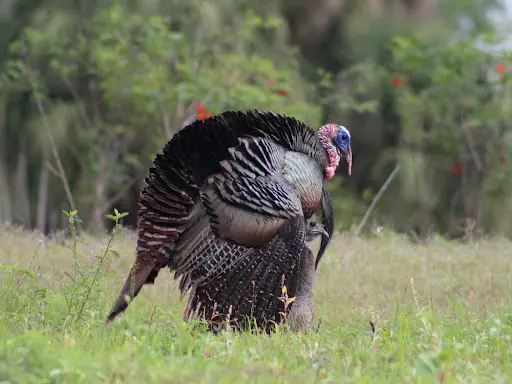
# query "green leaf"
(115, 253)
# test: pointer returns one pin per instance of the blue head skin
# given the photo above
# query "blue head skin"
(342, 140)
(336, 141)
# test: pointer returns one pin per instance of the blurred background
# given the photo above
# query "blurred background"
(91, 90)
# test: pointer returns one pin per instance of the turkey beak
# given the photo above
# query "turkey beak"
(324, 233)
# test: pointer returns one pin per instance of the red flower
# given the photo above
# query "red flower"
(282, 92)
(456, 169)
(503, 159)
(201, 111)
(499, 147)
(395, 81)
(500, 68)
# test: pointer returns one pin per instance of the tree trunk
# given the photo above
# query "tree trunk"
(97, 223)
(22, 194)
(43, 193)
(53, 221)
(5, 196)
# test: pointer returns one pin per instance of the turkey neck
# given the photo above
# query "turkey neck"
(302, 308)
(306, 176)
(306, 275)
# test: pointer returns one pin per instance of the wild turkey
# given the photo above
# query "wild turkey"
(249, 293)
(234, 184)
(302, 308)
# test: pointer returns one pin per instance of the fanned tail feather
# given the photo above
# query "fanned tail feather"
(164, 212)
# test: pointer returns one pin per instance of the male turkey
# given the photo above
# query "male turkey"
(236, 184)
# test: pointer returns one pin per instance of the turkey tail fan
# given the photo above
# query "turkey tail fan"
(250, 292)
(201, 145)
(327, 215)
(165, 207)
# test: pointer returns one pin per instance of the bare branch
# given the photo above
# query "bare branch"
(51, 168)
(78, 101)
(55, 153)
(114, 199)
(377, 198)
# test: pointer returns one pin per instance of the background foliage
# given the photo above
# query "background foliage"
(91, 91)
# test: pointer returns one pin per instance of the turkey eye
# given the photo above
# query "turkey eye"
(312, 224)
(344, 136)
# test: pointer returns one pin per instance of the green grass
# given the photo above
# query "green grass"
(453, 323)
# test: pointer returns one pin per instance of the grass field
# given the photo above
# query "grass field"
(449, 318)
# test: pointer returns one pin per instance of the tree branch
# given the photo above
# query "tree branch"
(377, 198)
(55, 153)
(114, 199)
